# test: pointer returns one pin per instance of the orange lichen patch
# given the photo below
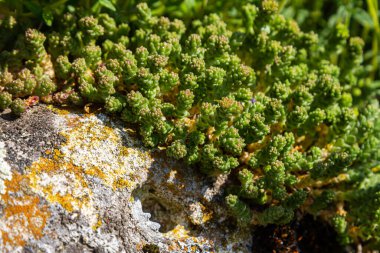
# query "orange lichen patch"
(193, 248)
(57, 154)
(24, 216)
(60, 182)
(95, 172)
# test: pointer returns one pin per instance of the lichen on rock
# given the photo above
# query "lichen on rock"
(24, 215)
(99, 189)
(5, 169)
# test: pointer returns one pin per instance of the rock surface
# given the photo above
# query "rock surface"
(72, 182)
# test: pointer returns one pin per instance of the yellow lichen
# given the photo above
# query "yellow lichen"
(122, 183)
(95, 171)
(24, 215)
(97, 225)
(124, 151)
(58, 110)
(91, 136)
(66, 178)
(50, 177)
(179, 232)
(207, 214)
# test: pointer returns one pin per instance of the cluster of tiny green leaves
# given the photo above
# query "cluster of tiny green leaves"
(261, 102)
(362, 18)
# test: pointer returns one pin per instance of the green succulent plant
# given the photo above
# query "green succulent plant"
(292, 116)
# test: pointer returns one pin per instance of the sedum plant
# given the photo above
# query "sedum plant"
(259, 100)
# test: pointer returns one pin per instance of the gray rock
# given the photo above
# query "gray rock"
(84, 183)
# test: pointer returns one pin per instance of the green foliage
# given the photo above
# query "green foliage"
(17, 106)
(340, 225)
(231, 87)
(177, 150)
(239, 209)
(5, 100)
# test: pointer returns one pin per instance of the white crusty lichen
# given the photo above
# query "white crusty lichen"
(5, 169)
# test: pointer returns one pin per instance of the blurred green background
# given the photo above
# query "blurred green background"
(321, 16)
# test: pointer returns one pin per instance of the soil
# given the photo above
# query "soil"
(307, 235)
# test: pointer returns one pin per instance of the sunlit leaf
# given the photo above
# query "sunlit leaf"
(48, 17)
(107, 4)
